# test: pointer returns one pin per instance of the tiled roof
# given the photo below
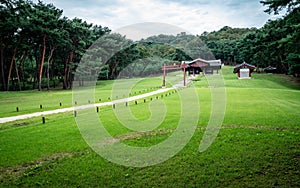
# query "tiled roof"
(210, 62)
(244, 64)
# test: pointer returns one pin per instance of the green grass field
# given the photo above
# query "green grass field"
(257, 146)
(30, 101)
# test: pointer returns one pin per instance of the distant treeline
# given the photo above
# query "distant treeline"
(39, 48)
(276, 44)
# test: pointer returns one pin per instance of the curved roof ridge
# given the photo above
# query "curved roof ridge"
(244, 63)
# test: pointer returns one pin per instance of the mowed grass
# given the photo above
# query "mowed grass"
(30, 101)
(257, 146)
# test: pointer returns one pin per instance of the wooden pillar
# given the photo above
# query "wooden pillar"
(184, 74)
(164, 76)
(193, 71)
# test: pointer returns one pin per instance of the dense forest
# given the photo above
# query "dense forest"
(39, 48)
(38, 45)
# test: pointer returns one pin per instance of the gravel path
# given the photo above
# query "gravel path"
(25, 116)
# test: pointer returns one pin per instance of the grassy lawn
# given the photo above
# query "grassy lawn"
(257, 146)
(30, 101)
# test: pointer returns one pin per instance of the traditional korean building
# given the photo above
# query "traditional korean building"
(244, 70)
(200, 65)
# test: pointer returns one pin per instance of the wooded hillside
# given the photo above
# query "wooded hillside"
(39, 48)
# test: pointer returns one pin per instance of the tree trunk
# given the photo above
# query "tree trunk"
(22, 65)
(11, 67)
(42, 62)
(35, 75)
(114, 73)
(283, 66)
(65, 76)
(22, 69)
(65, 83)
(70, 78)
(67, 70)
(18, 77)
(53, 75)
(48, 68)
(2, 66)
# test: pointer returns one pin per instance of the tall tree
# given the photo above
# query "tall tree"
(35, 32)
(278, 5)
(285, 34)
(45, 18)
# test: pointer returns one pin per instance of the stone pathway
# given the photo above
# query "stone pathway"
(37, 114)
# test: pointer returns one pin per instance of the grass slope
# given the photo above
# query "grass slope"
(258, 145)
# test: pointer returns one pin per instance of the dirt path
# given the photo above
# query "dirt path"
(37, 114)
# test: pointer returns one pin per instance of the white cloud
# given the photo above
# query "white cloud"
(194, 16)
(146, 29)
(194, 19)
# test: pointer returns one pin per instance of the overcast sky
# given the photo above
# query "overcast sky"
(196, 16)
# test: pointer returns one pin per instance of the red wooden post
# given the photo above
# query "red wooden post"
(184, 75)
(164, 77)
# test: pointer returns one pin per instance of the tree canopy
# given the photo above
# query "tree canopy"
(39, 48)
(278, 5)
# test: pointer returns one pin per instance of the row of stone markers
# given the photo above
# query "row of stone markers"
(18, 109)
(41, 107)
(144, 100)
(127, 103)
